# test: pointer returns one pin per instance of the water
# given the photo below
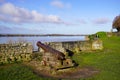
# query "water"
(34, 39)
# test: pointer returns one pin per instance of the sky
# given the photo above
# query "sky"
(57, 16)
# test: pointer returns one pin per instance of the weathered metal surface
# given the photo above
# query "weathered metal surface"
(46, 48)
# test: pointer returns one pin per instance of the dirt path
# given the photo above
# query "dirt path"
(80, 73)
(70, 73)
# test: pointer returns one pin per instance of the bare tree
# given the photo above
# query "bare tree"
(116, 23)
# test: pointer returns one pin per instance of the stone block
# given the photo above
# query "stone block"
(97, 45)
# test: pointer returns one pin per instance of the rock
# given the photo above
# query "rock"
(97, 45)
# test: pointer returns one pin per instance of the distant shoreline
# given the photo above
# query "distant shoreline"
(36, 35)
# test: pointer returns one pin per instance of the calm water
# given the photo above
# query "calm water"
(34, 40)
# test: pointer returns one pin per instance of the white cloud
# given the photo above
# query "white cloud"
(101, 21)
(14, 14)
(60, 4)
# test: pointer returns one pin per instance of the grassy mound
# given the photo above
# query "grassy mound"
(101, 34)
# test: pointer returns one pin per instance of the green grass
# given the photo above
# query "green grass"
(18, 72)
(106, 61)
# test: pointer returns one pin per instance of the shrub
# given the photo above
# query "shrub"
(101, 34)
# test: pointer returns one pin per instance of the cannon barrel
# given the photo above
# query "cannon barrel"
(49, 49)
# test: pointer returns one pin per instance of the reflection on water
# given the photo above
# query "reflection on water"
(34, 40)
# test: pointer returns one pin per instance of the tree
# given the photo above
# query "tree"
(116, 23)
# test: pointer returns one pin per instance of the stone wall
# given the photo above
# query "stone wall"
(15, 52)
(76, 46)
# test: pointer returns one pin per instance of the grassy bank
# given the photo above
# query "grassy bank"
(106, 61)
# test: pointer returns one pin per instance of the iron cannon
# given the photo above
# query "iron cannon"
(49, 49)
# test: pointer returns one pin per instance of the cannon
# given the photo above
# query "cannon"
(47, 48)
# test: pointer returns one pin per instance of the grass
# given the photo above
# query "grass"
(107, 61)
(18, 72)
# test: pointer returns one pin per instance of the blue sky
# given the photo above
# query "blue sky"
(57, 16)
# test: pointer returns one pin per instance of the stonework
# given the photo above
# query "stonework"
(97, 45)
(15, 52)
(50, 60)
(77, 46)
